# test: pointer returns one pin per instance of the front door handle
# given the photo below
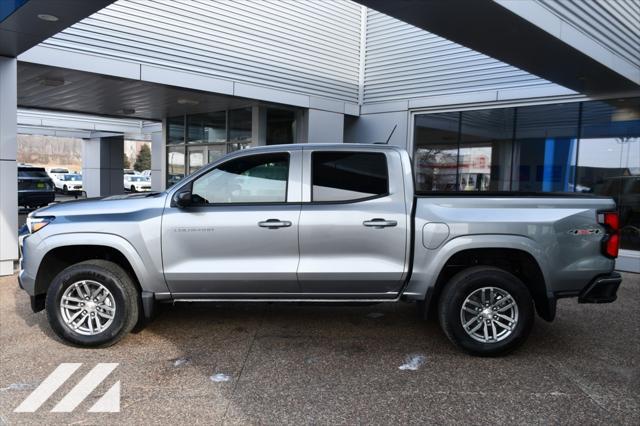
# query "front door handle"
(379, 223)
(274, 224)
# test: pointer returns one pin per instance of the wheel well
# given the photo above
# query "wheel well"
(518, 262)
(61, 257)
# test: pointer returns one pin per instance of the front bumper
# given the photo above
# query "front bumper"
(602, 289)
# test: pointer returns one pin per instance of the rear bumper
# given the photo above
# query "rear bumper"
(602, 289)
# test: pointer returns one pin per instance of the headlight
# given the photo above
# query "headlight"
(34, 224)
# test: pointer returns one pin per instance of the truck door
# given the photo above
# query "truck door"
(353, 224)
(239, 235)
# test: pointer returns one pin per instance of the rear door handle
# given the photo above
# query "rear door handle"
(274, 224)
(379, 223)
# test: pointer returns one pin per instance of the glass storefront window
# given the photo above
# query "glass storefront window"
(436, 151)
(197, 158)
(207, 128)
(281, 126)
(545, 148)
(240, 125)
(175, 130)
(175, 164)
(609, 160)
(591, 147)
(486, 150)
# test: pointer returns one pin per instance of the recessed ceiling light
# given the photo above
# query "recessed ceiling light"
(47, 17)
(52, 82)
(188, 102)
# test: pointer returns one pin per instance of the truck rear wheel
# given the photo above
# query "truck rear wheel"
(486, 311)
(92, 303)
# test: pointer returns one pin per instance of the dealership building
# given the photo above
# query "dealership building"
(486, 95)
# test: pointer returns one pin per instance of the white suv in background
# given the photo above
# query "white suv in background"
(137, 183)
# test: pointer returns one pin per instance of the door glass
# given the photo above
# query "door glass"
(252, 179)
(342, 176)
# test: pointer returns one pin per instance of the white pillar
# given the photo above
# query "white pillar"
(8, 166)
(102, 166)
(158, 162)
(323, 126)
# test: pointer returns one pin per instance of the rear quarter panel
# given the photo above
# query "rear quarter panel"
(548, 228)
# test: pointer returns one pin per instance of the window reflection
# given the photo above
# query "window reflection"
(609, 160)
(545, 148)
(436, 155)
(486, 150)
(240, 125)
(537, 149)
(207, 128)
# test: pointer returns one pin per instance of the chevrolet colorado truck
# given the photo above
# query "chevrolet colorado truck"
(320, 223)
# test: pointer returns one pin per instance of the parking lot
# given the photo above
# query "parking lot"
(277, 363)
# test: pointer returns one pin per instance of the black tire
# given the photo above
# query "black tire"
(464, 284)
(65, 190)
(116, 280)
(133, 188)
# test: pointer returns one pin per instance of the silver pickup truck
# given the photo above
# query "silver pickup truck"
(320, 223)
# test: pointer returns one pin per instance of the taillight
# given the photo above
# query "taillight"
(611, 241)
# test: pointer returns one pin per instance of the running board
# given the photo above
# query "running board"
(397, 299)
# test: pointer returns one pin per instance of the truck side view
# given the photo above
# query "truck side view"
(320, 223)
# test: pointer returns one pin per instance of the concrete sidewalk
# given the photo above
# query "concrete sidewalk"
(277, 363)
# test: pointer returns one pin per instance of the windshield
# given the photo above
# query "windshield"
(32, 173)
(74, 178)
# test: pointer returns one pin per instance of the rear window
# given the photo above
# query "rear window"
(32, 173)
(348, 176)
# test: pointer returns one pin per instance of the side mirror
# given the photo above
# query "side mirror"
(182, 199)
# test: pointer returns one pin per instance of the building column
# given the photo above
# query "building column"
(158, 160)
(102, 166)
(319, 126)
(8, 165)
(259, 125)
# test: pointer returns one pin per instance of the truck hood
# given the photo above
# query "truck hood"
(114, 204)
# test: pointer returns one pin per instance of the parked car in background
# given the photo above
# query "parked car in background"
(56, 172)
(137, 183)
(146, 173)
(69, 183)
(35, 187)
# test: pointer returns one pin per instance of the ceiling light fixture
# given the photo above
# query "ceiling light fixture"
(52, 82)
(188, 102)
(47, 17)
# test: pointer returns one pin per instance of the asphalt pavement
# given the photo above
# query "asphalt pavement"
(301, 364)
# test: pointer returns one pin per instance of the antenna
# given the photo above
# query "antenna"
(389, 138)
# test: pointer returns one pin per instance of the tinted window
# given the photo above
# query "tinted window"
(253, 179)
(342, 176)
(33, 173)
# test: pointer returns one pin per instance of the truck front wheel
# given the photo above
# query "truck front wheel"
(92, 303)
(486, 311)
